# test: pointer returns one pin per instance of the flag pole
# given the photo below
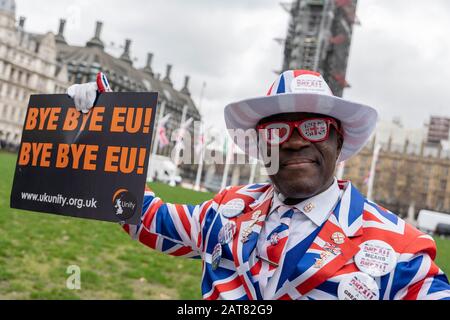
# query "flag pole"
(200, 164)
(156, 136)
(172, 182)
(227, 164)
(373, 165)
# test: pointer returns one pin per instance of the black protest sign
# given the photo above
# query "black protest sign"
(90, 165)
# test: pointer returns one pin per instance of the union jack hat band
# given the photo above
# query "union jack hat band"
(304, 91)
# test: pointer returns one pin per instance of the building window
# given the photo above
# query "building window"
(21, 115)
(444, 171)
(12, 114)
(426, 183)
(5, 111)
(443, 184)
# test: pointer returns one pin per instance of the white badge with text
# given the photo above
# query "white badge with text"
(358, 286)
(376, 258)
(232, 208)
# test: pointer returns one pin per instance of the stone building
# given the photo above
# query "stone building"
(84, 62)
(28, 66)
(408, 175)
(46, 63)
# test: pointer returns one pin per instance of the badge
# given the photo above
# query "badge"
(358, 286)
(308, 207)
(216, 256)
(256, 215)
(329, 247)
(376, 258)
(245, 234)
(324, 255)
(319, 263)
(227, 233)
(232, 208)
(338, 238)
(274, 238)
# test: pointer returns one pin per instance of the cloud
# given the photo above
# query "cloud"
(229, 45)
(398, 61)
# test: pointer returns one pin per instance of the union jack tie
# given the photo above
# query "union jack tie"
(277, 239)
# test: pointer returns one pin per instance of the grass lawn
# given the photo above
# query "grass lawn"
(36, 249)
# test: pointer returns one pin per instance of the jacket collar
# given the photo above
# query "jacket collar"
(316, 208)
(317, 264)
(307, 274)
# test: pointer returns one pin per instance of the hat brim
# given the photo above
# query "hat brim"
(358, 120)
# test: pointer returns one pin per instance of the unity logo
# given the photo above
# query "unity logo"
(124, 203)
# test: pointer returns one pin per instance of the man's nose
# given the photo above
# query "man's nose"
(296, 141)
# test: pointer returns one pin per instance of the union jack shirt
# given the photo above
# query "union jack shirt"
(193, 232)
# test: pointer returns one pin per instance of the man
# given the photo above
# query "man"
(305, 235)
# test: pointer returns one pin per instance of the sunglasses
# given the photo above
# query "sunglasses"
(311, 129)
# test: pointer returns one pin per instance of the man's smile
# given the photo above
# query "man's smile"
(298, 162)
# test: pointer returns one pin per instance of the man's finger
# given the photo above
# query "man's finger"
(77, 100)
(91, 94)
(71, 90)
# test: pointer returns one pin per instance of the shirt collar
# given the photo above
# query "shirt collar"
(316, 208)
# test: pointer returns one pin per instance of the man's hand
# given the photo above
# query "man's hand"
(85, 94)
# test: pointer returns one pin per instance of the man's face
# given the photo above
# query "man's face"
(306, 168)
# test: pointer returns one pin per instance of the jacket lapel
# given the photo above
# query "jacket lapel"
(335, 244)
(248, 228)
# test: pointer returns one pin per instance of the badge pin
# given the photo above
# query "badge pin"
(273, 264)
(358, 286)
(308, 207)
(376, 258)
(256, 215)
(232, 208)
(274, 239)
(216, 256)
(332, 248)
(227, 233)
(338, 238)
(245, 234)
(319, 263)
(325, 254)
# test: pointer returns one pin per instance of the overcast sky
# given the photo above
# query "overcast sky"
(399, 61)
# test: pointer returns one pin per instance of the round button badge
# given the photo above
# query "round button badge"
(358, 286)
(376, 258)
(232, 208)
(338, 238)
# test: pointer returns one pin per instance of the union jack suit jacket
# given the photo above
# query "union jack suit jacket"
(192, 231)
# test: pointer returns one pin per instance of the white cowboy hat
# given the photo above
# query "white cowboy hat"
(305, 91)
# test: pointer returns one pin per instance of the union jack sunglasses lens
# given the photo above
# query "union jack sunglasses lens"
(314, 130)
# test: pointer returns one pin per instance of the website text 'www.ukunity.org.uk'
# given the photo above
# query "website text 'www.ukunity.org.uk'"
(60, 200)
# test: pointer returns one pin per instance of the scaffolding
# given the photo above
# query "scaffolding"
(319, 37)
